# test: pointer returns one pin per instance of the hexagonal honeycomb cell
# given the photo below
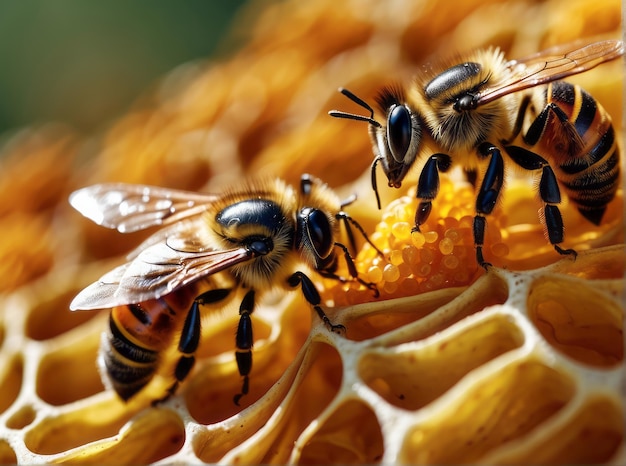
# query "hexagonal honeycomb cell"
(521, 364)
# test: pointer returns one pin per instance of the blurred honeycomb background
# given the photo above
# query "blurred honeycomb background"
(524, 364)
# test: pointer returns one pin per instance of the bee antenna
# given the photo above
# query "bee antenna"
(349, 200)
(347, 220)
(354, 116)
(374, 182)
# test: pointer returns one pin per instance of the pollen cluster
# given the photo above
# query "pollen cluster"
(439, 255)
(449, 363)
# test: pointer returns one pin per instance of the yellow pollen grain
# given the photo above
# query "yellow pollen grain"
(450, 262)
(410, 255)
(378, 236)
(368, 253)
(449, 223)
(455, 212)
(374, 274)
(446, 246)
(466, 221)
(453, 234)
(401, 230)
(396, 257)
(465, 234)
(390, 287)
(431, 236)
(423, 270)
(417, 239)
(389, 218)
(437, 279)
(404, 269)
(427, 256)
(391, 273)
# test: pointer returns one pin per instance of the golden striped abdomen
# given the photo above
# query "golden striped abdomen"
(584, 153)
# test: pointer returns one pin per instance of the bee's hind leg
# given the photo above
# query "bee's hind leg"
(187, 346)
(244, 340)
(190, 338)
(548, 191)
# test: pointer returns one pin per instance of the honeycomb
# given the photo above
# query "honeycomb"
(522, 364)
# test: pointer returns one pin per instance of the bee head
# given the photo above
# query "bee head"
(395, 143)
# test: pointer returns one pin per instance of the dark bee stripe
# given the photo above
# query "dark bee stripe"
(599, 150)
(586, 113)
(123, 373)
(591, 177)
(129, 366)
(126, 380)
(603, 179)
(127, 348)
(563, 93)
(593, 191)
(140, 314)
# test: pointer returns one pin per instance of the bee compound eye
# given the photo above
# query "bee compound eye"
(318, 231)
(399, 129)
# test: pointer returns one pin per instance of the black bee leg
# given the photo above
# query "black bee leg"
(428, 186)
(548, 191)
(487, 196)
(347, 221)
(538, 127)
(188, 344)
(351, 270)
(244, 341)
(190, 337)
(313, 297)
(374, 183)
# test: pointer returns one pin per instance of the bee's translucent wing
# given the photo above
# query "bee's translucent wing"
(130, 207)
(156, 271)
(97, 294)
(188, 235)
(551, 65)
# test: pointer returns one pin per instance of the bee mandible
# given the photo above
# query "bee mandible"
(477, 107)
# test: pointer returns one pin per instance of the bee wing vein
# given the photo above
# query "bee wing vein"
(155, 272)
(128, 208)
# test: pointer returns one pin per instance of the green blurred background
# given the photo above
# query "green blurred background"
(85, 62)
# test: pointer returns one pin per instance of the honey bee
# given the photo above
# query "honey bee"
(250, 239)
(475, 108)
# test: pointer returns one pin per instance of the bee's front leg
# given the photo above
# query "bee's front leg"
(428, 186)
(487, 196)
(313, 297)
(354, 274)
